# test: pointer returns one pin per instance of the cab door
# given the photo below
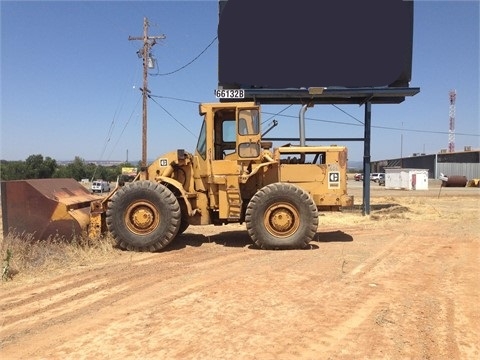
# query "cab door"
(248, 134)
(225, 168)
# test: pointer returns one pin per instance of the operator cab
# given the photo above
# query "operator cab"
(237, 139)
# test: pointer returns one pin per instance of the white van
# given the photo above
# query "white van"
(100, 186)
(375, 177)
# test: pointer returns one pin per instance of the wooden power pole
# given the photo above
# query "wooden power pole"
(148, 42)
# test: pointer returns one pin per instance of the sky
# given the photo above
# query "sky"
(70, 80)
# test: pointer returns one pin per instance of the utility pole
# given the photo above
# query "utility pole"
(148, 62)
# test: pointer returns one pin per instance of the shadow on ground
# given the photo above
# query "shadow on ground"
(332, 236)
(373, 207)
(382, 211)
(237, 238)
(240, 239)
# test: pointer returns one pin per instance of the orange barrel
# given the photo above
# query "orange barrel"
(455, 181)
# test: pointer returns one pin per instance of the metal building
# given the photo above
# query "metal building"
(463, 163)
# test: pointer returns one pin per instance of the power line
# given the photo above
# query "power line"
(178, 122)
(380, 127)
(278, 113)
(125, 126)
(118, 109)
(326, 121)
(319, 120)
(173, 98)
(187, 64)
(346, 113)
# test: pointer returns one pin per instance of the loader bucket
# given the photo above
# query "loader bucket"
(45, 208)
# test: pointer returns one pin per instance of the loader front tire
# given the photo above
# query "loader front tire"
(184, 223)
(281, 216)
(143, 216)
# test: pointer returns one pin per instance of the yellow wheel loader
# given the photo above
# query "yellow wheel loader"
(231, 177)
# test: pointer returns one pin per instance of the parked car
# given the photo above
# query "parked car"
(358, 177)
(100, 186)
(374, 177)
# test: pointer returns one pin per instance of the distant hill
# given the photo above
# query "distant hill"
(355, 164)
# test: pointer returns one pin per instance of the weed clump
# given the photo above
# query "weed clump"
(22, 254)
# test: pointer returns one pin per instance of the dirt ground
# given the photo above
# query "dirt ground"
(402, 283)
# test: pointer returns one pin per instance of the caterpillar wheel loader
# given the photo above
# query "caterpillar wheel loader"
(232, 177)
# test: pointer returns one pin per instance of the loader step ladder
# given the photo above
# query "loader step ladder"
(234, 204)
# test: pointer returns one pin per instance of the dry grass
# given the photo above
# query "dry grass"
(23, 256)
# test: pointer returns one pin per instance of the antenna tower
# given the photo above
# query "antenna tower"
(451, 128)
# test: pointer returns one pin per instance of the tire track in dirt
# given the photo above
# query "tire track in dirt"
(93, 296)
(346, 306)
(189, 291)
(88, 277)
(84, 285)
(190, 284)
(16, 297)
(381, 311)
(394, 298)
(170, 259)
(406, 301)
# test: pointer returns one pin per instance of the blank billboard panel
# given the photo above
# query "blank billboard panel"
(277, 44)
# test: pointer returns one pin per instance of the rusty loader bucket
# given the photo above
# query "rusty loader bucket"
(45, 208)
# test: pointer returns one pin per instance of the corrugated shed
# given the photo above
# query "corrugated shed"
(465, 163)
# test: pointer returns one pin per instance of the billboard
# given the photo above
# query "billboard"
(277, 44)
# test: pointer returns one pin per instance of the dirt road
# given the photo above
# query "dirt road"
(402, 283)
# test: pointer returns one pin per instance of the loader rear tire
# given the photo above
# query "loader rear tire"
(281, 216)
(143, 216)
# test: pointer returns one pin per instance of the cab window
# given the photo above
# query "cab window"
(202, 142)
(248, 122)
(249, 150)
(228, 131)
(248, 130)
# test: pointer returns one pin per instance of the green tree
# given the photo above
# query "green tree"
(76, 170)
(49, 167)
(12, 170)
(39, 168)
(34, 167)
(61, 172)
